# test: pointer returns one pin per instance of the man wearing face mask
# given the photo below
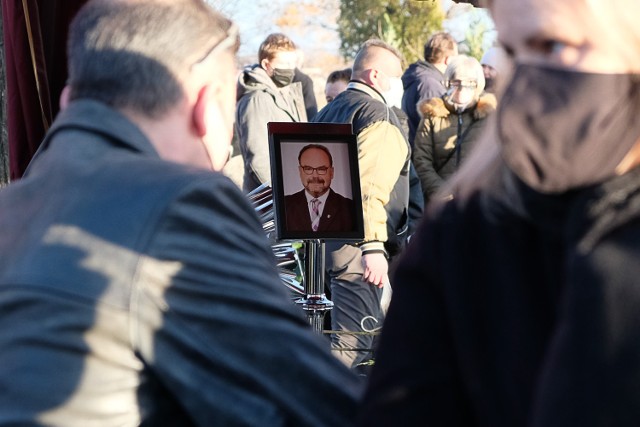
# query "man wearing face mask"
(266, 94)
(359, 271)
(451, 124)
(523, 289)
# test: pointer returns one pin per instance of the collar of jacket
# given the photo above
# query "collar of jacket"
(99, 118)
(363, 87)
(436, 107)
(254, 77)
(430, 66)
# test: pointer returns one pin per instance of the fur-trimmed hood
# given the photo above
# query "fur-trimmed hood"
(436, 107)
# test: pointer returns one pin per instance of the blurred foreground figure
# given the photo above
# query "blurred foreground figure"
(136, 285)
(517, 302)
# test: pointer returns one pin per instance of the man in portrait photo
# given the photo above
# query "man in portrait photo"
(317, 207)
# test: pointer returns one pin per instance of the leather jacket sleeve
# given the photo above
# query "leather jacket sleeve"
(214, 324)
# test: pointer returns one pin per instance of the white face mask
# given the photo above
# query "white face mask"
(393, 96)
(460, 98)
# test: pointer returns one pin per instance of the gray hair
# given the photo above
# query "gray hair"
(131, 54)
(465, 67)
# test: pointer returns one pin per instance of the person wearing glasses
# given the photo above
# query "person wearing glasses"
(137, 286)
(451, 124)
(317, 207)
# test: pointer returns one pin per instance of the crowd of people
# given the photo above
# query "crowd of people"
(414, 128)
(500, 198)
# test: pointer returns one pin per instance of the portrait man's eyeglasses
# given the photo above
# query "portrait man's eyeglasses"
(322, 170)
(466, 84)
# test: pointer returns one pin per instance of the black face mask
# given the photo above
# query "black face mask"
(563, 129)
(283, 76)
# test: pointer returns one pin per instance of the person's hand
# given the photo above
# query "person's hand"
(376, 268)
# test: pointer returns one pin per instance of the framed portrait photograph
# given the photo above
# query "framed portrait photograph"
(316, 181)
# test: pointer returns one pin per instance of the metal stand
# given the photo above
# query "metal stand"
(315, 303)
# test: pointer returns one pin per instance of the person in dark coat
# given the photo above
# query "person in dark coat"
(310, 103)
(516, 302)
(425, 79)
(137, 286)
(317, 207)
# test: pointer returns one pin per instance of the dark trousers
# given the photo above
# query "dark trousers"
(356, 307)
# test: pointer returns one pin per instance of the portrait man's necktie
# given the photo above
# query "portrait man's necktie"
(315, 214)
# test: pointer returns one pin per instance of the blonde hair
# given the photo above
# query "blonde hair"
(274, 43)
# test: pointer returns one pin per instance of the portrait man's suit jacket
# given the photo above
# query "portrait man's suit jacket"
(337, 214)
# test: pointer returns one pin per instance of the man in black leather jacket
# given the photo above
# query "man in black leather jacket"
(136, 284)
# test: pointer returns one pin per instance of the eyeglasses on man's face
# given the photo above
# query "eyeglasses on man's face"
(322, 170)
(462, 84)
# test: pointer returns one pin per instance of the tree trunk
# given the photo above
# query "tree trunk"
(4, 143)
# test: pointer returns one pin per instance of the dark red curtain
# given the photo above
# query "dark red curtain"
(35, 33)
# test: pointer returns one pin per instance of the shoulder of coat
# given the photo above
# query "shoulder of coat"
(433, 107)
(487, 104)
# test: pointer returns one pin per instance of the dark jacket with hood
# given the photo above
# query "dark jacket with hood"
(138, 291)
(260, 101)
(422, 80)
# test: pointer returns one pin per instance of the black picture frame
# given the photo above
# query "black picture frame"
(285, 142)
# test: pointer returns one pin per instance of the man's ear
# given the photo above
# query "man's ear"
(265, 66)
(64, 98)
(370, 76)
(200, 109)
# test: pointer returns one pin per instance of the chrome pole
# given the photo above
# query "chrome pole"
(315, 303)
